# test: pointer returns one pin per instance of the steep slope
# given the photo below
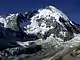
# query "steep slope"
(31, 32)
(49, 21)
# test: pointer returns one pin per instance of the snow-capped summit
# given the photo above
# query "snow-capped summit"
(48, 20)
(27, 33)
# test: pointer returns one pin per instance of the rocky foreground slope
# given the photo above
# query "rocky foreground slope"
(44, 34)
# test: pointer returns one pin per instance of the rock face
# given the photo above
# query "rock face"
(47, 21)
(27, 33)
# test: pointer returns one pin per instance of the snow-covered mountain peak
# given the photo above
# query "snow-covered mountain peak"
(47, 19)
(11, 16)
(49, 12)
(29, 32)
(58, 12)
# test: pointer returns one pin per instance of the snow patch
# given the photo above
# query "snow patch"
(45, 20)
(3, 21)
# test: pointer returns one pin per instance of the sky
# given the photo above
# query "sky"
(70, 7)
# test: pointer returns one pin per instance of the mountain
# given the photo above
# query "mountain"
(27, 33)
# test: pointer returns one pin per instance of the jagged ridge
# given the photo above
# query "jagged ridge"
(24, 29)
